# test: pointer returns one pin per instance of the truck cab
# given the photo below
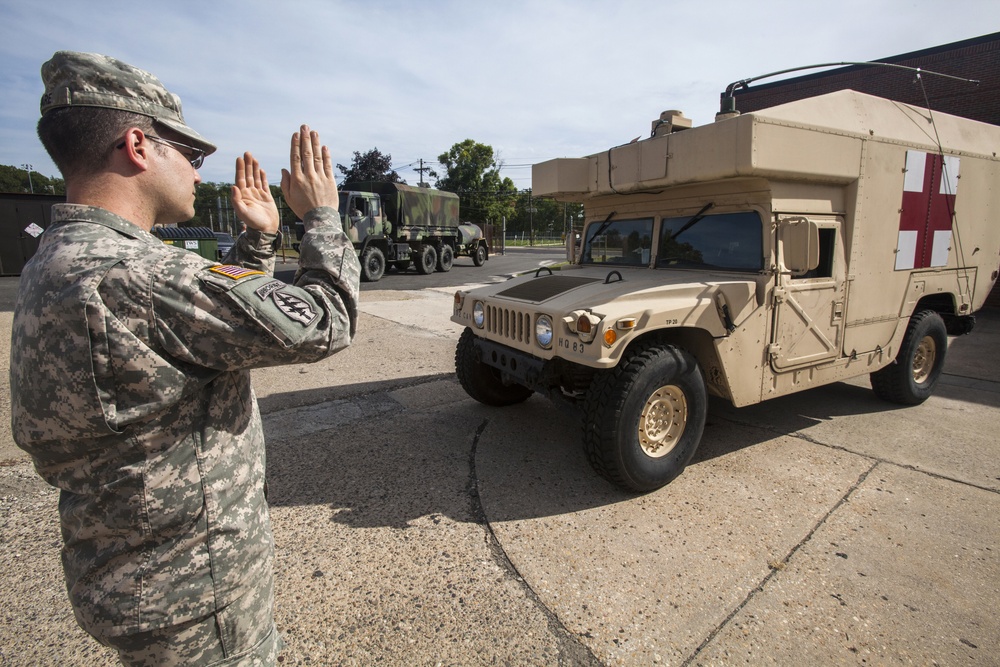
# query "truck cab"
(361, 215)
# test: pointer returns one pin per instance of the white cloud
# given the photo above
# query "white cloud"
(535, 80)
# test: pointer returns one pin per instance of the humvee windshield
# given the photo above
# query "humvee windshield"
(730, 241)
(622, 242)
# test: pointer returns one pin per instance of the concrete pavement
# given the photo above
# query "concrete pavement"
(415, 526)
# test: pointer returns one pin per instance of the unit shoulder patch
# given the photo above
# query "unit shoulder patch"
(295, 308)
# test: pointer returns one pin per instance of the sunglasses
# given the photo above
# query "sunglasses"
(195, 156)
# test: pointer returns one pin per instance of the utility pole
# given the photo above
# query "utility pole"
(531, 220)
(421, 169)
(28, 168)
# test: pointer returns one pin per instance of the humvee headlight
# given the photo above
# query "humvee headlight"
(543, 331)
(479, 314)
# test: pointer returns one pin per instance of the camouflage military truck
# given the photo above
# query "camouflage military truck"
(396, 225)
(754, 257)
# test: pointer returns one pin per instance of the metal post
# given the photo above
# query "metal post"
(531, 221)
(28, 167)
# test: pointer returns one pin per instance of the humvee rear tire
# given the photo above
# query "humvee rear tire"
(643, 419)
(910, 379)
(483, 382)
(446, 258)
(479, 255)
(372, 265)
(426, 260)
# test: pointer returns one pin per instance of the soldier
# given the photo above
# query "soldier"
(130, 366)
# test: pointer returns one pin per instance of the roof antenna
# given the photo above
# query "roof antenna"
(727, 107)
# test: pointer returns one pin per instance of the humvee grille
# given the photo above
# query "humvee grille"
(508, 323)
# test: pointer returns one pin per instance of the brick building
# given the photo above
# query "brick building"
(977, 58)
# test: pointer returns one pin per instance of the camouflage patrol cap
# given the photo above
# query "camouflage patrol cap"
(93, 80)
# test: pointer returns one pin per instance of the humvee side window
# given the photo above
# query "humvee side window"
(619, 242)
(730, 241)
(827, 242)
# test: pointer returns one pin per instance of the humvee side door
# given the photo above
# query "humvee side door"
(809, 296)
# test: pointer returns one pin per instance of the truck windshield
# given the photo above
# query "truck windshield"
(621, 242)
(730, 241)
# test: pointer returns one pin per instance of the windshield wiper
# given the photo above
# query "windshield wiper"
(695, 219)
(604, 225)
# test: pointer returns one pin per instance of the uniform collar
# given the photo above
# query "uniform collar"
(98, 216)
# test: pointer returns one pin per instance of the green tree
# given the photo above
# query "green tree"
(535, 217)
(370, 166)
(15, 179)
(472, 171)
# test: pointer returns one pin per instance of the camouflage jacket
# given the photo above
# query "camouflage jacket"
(130, 388)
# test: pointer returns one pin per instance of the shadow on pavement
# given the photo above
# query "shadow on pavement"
(383, 463)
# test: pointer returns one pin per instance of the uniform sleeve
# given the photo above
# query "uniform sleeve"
(233, 316)
(254, 249)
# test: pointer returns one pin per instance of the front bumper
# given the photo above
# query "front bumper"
(515, 366)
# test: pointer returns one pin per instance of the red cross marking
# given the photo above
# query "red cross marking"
(929, 189)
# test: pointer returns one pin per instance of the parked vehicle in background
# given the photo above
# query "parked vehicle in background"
(226, 243)
(395, 226)
(751, 258)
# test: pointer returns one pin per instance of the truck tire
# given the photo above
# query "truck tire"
(372, 264)
(483, 382)
(426, 260)
(910, 379)
(446, 258)
(479, 255)
(643, 419)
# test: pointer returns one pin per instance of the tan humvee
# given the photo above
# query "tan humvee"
(751, 258)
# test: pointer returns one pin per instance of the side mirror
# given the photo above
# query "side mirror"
(571, 247)
(798, 244)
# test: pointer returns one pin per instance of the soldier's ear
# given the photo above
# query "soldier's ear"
(136, 147)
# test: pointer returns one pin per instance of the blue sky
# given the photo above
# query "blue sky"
(536, 80)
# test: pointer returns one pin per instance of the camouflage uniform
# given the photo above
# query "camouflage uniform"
(130, 389)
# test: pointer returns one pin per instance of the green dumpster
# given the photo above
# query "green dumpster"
(200, 240)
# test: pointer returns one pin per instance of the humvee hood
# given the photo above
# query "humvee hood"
(624, 291)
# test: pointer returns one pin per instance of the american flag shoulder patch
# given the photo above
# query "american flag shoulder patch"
(235, 272)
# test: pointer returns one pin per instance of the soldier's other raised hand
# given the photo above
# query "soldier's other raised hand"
(309, 182)
(252, 198)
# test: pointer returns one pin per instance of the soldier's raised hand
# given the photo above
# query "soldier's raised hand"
(252, 198)
(309, 182)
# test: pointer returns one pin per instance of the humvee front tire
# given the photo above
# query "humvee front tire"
(643, 419)
(427, 258)
(372, 265)
(483, 382)
(910, 379)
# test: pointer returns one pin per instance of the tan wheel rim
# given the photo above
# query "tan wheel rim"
(662, 421)
(923, 360)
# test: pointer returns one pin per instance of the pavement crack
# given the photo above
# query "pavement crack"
(800, 435)
(571, 650)
(776, 567)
